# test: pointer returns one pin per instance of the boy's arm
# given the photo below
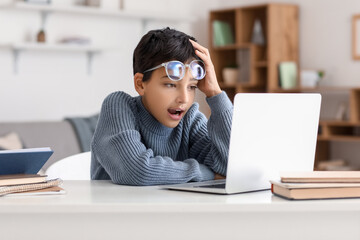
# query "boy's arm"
(118, 148)
(212, 146)
(209, 143)
(209, 85)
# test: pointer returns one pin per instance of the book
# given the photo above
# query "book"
(287, 75)
(302, 191)
(16, 179)
(222, 33)
(45, 191)
(30, 187)
(23, 161)
(243, 61)
(321, 176)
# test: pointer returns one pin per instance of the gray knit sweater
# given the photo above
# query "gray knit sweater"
(131, 147)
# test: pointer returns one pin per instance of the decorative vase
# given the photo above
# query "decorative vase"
(230, 75)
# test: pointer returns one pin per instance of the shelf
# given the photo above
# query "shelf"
(340, 138)
(240, 84)
(17, 48)
(46, 9)
(339, 123)
(227, 85)
(261, 64)
(235, 46)
(145, 15)
(52, 47)
(258, 63)
(335, 130)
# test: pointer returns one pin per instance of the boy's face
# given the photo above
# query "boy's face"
(167, 100)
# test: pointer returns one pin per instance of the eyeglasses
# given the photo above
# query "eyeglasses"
(175, 70)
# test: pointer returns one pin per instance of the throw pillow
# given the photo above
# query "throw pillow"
(10, 141)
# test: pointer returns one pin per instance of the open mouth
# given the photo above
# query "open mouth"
(175, 113)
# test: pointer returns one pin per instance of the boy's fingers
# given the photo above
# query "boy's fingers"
(199, 47)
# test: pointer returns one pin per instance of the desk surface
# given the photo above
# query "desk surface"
(102, 210)
(103, 196)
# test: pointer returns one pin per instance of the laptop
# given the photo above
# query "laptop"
(270, 133)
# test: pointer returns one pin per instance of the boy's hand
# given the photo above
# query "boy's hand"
(218, 176)
(209, 85)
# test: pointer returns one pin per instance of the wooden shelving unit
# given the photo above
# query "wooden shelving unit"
(340, 131)
(280, 29)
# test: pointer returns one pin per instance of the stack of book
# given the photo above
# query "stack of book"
(29, 184)
(317, 185)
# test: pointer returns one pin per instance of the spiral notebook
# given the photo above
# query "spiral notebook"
(50, 186)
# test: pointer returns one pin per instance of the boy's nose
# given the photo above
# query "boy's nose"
(183, 96)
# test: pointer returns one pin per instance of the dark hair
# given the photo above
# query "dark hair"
(159, 46)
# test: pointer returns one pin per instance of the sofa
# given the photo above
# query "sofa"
(60, 136)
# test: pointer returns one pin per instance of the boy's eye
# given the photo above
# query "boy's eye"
(194, 87)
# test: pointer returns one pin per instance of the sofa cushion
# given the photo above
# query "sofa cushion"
(58, 135)
(10, 141)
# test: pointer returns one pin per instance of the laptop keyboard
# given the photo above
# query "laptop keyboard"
(222, 185)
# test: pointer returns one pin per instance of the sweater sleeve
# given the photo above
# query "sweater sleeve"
(210, 142)
(119, 154)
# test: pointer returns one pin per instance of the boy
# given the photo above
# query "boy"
(160, 137)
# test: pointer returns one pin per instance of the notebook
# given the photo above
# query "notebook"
(270, 133)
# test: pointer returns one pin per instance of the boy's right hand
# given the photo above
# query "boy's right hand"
(218, 176)
(209, 85)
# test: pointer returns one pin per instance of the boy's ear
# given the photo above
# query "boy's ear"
(138, 83)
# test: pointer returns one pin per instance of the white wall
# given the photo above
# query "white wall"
(54, 85)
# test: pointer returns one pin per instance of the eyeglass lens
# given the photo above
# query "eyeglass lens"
(176, 70)
(197, 69)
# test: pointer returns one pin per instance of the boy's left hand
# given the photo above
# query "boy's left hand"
(209, 85)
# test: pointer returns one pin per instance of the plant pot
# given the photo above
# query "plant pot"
(230, 75)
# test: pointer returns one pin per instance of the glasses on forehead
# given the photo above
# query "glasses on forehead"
(175, 70)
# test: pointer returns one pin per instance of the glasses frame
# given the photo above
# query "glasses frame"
(185, 65)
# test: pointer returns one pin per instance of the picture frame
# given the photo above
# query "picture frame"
(356, 36)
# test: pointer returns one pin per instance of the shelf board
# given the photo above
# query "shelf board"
(225, 48)
(340, 123)
(56, 47)
(241, 84)
(51, 47)
(339, 138)
(281, 90)
(17, 48)
(249, 85)
(234, 46)
(326, 89)
(49, 8)
(298, 89)
(227, 85)
(261, 64)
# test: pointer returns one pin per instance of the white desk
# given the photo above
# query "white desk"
(102, 210)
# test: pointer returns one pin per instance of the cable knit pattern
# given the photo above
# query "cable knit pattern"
(131, 147)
